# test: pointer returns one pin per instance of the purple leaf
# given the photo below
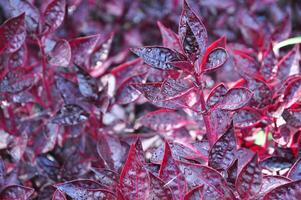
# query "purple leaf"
(163, 120)
(268, 67)
(195, 193)
(220, 121)
(54, 15)
(32, 15)
(192, 32)
(245, 63)
(295, 171)
(216, 94)
(82, 48)
(216, 58)
(87, 85)
(283, 30)
(158, 57)
(60, 55)
(58, 195)
(171, 175)
(16, 192)
(84, 189)
(127, 93)
(249, 180)
(111, 150)
(288, 65)
(232, 173)
(292, 92)
(18, 59)
(222, 153)
(134, 179)
(262, 93)
(70, 114)
(286, 191)
(46, 140)
(169, 38)
(179, 151)
(48, 167)
(171, 94)
(274, 164)
(246, 117)
(234, 99)
(101, 54)
(17, 80)
(68, 90)
(292, 117)
(215, 187)
(2, 173)
(158, 189)
(269, 183)
(12, 34)
(106, 177)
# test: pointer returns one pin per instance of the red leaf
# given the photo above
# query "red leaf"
(249, 180)
(163, 120)
(12, 34)
(171, 175)
(215, 187)
(158, 189)
(60, 55)
(222, 153)
(287, 191)
(295, 171)
(246, 117)
(134, 180)
(158, 57)
(82, 48)
(216, 58)
(70, 114)
(54, 15)
(195, 193)
(234, 99)
(58, 195)
(192, 32)
(216, 94)
(169, 38)
(16, 192)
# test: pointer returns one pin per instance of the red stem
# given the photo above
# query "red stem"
(210, 135)
(44, 70)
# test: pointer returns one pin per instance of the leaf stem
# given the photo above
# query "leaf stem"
(206, 117)
(290, 41)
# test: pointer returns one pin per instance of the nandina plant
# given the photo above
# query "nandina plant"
(89, 112)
